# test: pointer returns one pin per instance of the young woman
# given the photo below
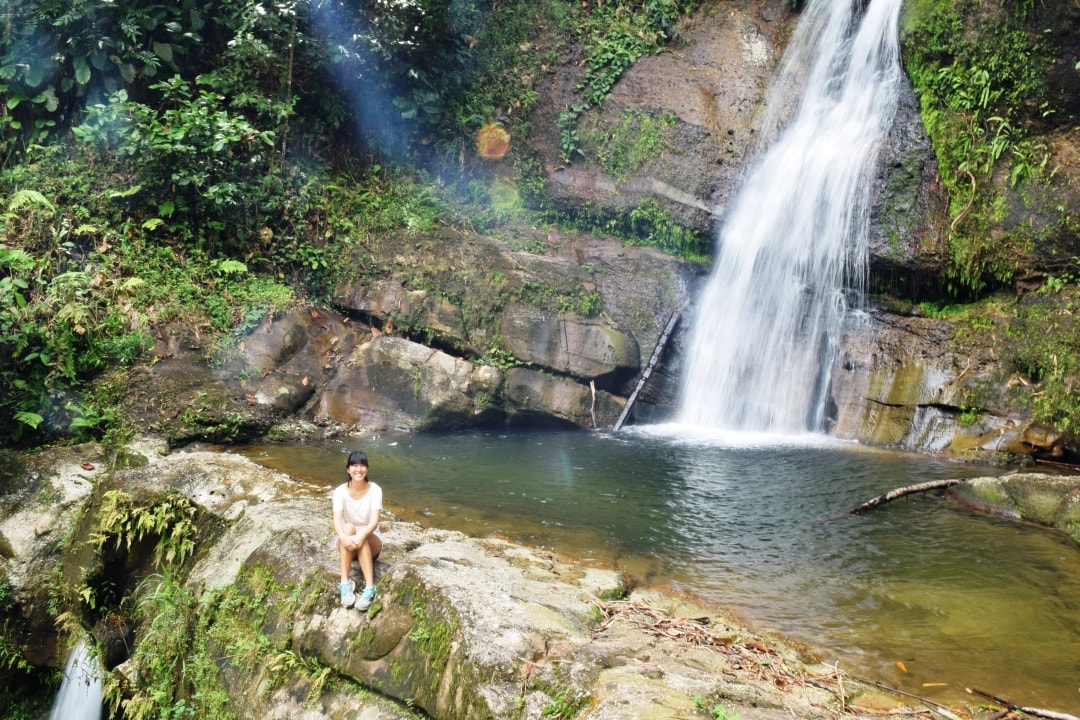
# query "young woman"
(357, 504)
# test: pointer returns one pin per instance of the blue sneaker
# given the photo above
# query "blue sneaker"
(365, 598)
(348, 593)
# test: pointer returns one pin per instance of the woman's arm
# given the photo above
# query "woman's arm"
(347, 541)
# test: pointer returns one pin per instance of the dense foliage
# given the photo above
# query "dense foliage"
(980, 73)
(206, 162)
(209, 161)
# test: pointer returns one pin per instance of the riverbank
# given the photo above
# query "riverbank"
(463, 627)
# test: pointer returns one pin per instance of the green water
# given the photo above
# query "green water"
(958, 600)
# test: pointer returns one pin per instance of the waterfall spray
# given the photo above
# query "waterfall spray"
(793, 249)
(79, 697)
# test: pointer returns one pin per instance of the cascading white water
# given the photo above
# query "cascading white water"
(79, 697)
(794, 244)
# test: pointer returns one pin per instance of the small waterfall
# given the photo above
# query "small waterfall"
(80, 693)
(793, 250)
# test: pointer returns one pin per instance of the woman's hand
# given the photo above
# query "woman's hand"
(355, 540)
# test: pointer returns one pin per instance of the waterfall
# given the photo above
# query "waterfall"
(792, 253)
(80, 692)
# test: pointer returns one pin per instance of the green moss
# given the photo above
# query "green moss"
(366, 637)
(434, 635)
(899, 222)
(1072, 528)
(978, 70)
(626, 146)
(184, 641)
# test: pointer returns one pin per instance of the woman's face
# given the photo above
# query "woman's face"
(357, 472)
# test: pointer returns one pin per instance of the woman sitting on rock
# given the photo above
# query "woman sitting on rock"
(357, 504)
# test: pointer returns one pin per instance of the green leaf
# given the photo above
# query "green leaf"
(35, 75)
(229, 267)
(82, 71)
(163, 51)
(28, 198)
(51, 101)
(113, 194)
(33, 420)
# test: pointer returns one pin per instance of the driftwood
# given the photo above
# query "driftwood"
(901, 492)
(1037, 712)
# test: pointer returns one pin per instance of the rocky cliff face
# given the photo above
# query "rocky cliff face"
(496, 336)
(453, 329)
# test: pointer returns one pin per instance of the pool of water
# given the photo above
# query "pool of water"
(917, 594)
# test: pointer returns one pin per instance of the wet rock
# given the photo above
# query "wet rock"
(1051, 500)
(390, 382)
(568, 343)
(532, 395)
(114, 639)
(898, 382)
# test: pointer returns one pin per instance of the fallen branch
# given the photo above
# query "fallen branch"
(901, 492)
(938, 707)
(1037, 712)
(750, 656)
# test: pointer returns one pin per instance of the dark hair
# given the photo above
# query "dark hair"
(356, 457)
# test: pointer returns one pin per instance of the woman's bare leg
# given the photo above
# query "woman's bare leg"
(347, 556)
(366, 555)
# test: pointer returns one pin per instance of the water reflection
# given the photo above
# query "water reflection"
(959, 600)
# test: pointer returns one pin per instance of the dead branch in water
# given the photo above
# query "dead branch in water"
(1037, 712)
(901, 492)
(940, 708)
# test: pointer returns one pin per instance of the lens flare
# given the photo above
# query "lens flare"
(492, 141)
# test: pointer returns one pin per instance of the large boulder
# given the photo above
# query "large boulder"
(569, 343)
(1050, 500)
(390, 382)
(533, 396)
(39, 499)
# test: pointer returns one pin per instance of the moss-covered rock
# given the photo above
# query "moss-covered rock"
(1051, 500)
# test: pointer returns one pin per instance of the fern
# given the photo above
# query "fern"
(29, 198)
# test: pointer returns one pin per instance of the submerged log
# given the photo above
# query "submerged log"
(901, 492)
